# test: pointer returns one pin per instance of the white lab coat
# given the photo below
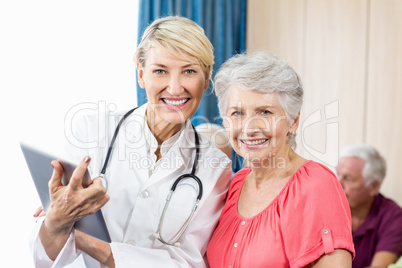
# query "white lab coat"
(137, 197)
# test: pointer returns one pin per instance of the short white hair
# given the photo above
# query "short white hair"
(265, 73)
(375, 167)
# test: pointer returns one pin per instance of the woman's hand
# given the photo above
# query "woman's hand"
(72, 202)
(69, 204)
(40, 212)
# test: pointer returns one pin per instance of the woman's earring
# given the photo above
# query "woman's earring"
(292, 132)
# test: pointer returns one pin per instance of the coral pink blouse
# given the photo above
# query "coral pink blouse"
(309, 217)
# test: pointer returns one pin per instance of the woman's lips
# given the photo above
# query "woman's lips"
(175, 104)
(254, 143)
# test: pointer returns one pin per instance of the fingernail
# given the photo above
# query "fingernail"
(87, 159)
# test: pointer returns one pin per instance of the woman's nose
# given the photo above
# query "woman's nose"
(249, 131)
(253, 125)
(175, 87)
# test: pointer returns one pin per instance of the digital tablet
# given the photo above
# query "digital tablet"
(41, 170)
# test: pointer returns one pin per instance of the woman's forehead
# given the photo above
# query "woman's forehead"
(245, 95)
(165, 56)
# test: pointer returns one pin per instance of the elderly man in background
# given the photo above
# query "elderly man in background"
(376, 220)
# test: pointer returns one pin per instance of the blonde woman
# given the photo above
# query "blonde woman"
(282, 210)
(156, 144)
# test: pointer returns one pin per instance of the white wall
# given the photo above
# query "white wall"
(54, 55)
(349, 56)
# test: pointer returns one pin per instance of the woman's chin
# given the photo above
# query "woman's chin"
(174, 119)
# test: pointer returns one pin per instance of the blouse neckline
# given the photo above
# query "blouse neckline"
(273, 200)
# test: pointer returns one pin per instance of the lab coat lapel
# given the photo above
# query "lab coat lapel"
(179, 159)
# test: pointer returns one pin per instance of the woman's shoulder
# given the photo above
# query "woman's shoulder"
(97, 115)
(313, 175)
(242, 173)
(240, 176)
(311, 168)
(237, 183)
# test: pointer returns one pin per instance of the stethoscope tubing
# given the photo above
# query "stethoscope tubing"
(192, 175)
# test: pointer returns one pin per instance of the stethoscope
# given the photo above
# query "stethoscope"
(158, 234)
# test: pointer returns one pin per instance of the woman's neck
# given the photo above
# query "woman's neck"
(161, 129)
(276, 167)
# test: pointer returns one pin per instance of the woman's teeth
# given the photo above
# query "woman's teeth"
(255, 142)
(175, 102)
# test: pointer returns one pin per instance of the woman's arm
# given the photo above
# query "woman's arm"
(96, 248)
(340, 258)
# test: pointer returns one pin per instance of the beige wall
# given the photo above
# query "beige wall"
(349, 55)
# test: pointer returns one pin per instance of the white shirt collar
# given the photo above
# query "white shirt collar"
(153, 144)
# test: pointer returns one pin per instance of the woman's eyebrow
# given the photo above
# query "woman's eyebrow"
(159, 65)
(265, 107)
(190, 64)
(256, 108)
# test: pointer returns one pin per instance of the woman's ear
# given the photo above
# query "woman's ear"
(293, 127)
(140, 75)
(207, 77)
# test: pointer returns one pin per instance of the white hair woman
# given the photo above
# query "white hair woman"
(282, 210)
(154, 148)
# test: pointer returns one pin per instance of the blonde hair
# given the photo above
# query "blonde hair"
(178, 36)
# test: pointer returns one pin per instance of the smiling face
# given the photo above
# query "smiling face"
(257, 125)
(174, 86)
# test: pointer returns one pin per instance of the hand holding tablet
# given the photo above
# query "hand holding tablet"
(75, 198)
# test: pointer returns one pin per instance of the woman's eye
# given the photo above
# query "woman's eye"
(265, 112)
(159, 71)
(189, 71)
(236, 113)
